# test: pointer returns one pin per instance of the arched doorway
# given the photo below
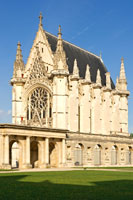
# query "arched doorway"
(53, 154)
(79, 154)
(14, 154)
(34, 154)
(114, 153)
(97, 154)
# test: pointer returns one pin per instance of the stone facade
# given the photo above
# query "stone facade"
(66, 111)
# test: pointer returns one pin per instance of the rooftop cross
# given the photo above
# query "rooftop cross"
(40, 17)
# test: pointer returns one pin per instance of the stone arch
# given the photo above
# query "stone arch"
(35, 85)
(53, 154)
(78, 154)
(34, 154)
(97, 154)
(114, 155)
(15, 154)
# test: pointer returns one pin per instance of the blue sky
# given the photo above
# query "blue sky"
(95, 25)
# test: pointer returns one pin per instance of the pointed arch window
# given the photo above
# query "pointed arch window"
(39, 108)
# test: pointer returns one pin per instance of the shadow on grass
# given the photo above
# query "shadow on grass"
(13, 187)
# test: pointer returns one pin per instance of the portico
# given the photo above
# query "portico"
(34, 146)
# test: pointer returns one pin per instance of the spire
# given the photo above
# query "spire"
(75, 68)
(18, 64)
(108, 82)
(98, 78)
(122, 78)
(41, 18)
(19, 56)
(122, 70)
(59, 42)
(87, 75)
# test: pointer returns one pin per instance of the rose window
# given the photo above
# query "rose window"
(39, 108)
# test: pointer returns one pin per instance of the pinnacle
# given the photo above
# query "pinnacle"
(87, 75)
(117, 83)
(75, 68)
(122, 70)
(19, 53)
(108, 82)
(98, 78)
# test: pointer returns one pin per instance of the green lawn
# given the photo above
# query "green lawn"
(116, 168)
(71, 185)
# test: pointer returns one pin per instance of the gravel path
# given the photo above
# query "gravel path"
(63, 169)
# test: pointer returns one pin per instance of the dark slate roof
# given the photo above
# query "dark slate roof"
(83, 58)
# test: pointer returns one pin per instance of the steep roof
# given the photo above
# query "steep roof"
(83, 58)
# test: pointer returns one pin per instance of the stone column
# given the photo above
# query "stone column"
(42, 154)
(63, 152)
(47, 151)
(6, 153)
(28, 151)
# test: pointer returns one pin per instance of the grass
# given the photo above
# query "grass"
(68, 185)
(116, 168)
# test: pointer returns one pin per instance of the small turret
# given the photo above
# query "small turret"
(87, 75)
(75, 69)
(122, 78)
(18, 64)
(98, 78)
(108, 82)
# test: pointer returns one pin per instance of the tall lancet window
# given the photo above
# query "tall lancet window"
(39, 108)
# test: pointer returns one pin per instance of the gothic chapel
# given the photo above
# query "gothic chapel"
(66, 110)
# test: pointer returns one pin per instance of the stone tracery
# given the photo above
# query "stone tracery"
(39, 105)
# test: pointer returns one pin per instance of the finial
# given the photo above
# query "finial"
(59, 29)
(40, 17)
(98, 78)
(59, 32)
(122, 60)
(19, 43)
(87, 75)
